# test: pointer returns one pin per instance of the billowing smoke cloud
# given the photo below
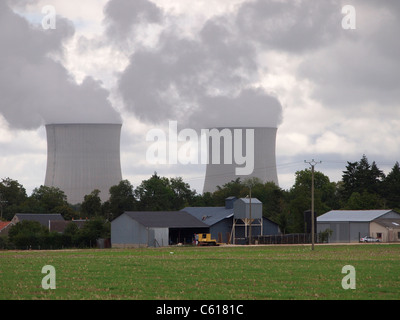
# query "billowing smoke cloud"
(206, 78)
(122, 15)
(363, 70)
(290, 26)
(201, 76)
(34, 88)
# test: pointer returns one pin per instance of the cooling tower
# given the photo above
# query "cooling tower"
(83, 157)
(264, 160)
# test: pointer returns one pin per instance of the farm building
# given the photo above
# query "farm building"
(387, 230)
(350, 225)
(44, 219)
(222, 219)
(154, 228)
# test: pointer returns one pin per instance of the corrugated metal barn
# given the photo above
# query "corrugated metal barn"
(154, 229)
(221, 219)
(218, 219)
(350, 225)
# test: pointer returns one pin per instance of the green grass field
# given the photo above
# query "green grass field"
(211, 273)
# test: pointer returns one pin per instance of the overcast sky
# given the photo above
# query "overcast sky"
(332, 91)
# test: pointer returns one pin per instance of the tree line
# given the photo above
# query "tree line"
(32, 235)
(363, 186)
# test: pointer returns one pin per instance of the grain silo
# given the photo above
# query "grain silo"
(83, 157)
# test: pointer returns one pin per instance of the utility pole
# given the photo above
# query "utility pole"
(250, 217)
(249, 183)
(312, 163)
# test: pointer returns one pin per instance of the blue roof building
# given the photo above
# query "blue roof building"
(220, 220)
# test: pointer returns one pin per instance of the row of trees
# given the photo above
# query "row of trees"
(363, 186)
(156, 193)
(32, 235)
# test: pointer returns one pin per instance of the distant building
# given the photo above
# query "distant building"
(218, 219)
(388, 230)
(154, 229)
(350, 225)
(52, 221)
(221, 219)
(162, 228)
(44, 219)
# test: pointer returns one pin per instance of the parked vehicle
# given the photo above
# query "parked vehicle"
(369, 239)
(204, 239)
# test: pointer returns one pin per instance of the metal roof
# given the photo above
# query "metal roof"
(42, 218)
(213, 215)
(209, 215)
(247, 200)
(351, 215)
(166, 219)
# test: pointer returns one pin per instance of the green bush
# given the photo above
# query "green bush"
(28, 235)
(32, 235)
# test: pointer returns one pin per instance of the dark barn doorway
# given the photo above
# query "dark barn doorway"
(184, 235)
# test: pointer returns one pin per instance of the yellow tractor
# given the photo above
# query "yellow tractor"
(204, 239)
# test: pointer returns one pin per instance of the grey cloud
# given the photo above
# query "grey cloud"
(124, 15)
(35, 89)
(251, 107)
(27, 42)
(362, 66)
(293, 26)
(194, 79)
(348, 69)
(197, 80)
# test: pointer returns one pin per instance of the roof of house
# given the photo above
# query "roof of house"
(389, 223)
(42, 218)
(166, 219)
(4, 224)
(352, 215)
(209, 215)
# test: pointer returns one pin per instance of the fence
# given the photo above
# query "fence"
(293, 238)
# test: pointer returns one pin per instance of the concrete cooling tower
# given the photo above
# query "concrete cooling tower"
(83, 157)
(264, 160)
